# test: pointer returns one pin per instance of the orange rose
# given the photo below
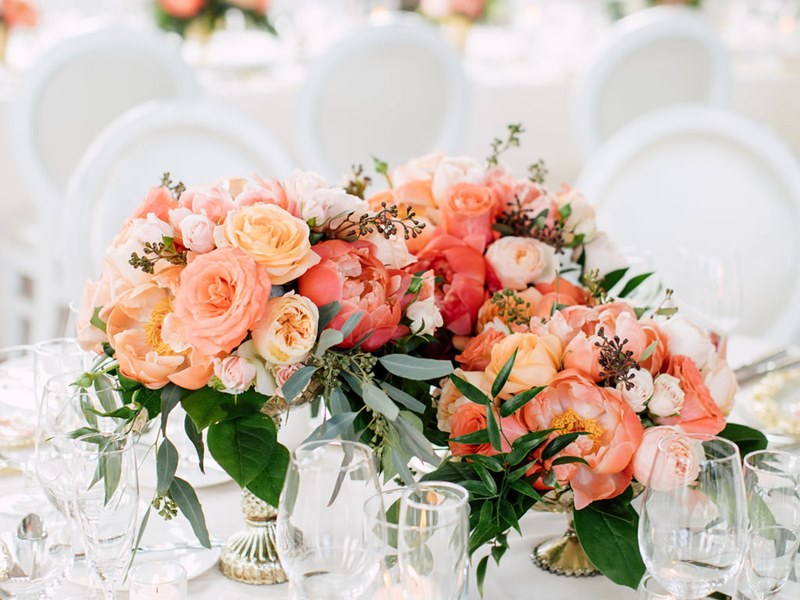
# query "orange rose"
(222, 295)
(134, 329)
(159, 201)
(478, 352)
(471, 417)
(274, 238)
(699, 414)
(468, 212)
(536, 364)
(576, 293)
(573, 403)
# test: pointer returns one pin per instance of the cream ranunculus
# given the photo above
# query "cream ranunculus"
(274, 238)
(640, 392)
(667, 397)
(721, 382)
(288, 330)
(687, 338)
(520, 262)
(537, 362)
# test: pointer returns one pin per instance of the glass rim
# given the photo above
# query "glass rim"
(381, 517)
(703, 437)
(56, 340)
(747, 461)
(83, 439)
(459, 494)
(366, 456)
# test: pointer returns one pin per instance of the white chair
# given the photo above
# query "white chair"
(392, 91)
(654, 58)
(195, 141)
(707, 180)
(75, 90)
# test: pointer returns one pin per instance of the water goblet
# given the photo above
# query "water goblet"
(693, 522)
(321, 524)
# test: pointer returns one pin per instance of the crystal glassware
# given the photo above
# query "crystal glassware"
(106, 495)
(53, 357)
(158, 580)
(693, 521)
(36, 541)
(433, 541)
(383, 512)
(322, 526)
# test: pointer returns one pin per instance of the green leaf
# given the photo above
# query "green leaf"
(166, 466)
(338, 401)
(480, 573)
(608, 530)
(613, 278)
(502, 376)
(197, 440)
(486, 478)
(470, 391)
(186, 499)
(633, 283)
(746, 438)
(248, 449)
(401, 465)
(565, 211)
(111, 467)
(648, 352)
(639, 311)
(493, 428)
(351, 323)
(512, 405)
(295, 385)
(328, 339)
(490, 462)
(327, 313)
(525, 444)
(409, 429)
(417, 369)
(403, 398)
(566, 460)
(375, 398)
(171, 395)
(334, 427)
(140, 534)
(668, 311)
(526, 489)
(207, 406)
(96, 321)
(559, 443)
(476, 437)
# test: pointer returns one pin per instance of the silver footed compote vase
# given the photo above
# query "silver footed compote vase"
(250, 556)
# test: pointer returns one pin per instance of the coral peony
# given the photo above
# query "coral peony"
(699, 413)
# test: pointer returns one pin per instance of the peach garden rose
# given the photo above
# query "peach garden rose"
(287, 332)
(537, 361)
(520, 262)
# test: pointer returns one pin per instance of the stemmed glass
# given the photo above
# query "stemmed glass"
(106, 495)
(53, 357)
(322, 526)
(693, 522)
(383, 512)
(433, 541)
(772, 484)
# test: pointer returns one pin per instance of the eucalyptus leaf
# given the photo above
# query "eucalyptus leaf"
(412, 439)
(197, 441)
(328, 339)
(171, 395)
(502, 377)
(338, 402)
(112, 473)
(166, 466)
(402, 467)
(648, 352)
(417, 369)
(327, 313)
(403, 398)
(295, 385)
(334, 427)
(351, 323)
(186, 499)
(375, 398)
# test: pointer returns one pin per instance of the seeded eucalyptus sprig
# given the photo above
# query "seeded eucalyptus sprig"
(499, 146)
(153, 252)
(501, 487)
(176, 188)
(358, 183)
(387, 222)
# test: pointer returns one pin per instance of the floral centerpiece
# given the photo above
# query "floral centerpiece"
(457, 16)
(203, 16)
(565, 381)
(238, 299)
(620, 8)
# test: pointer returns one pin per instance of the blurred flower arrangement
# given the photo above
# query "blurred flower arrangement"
(620, 8)
(443, 10)
(202, 17)
(565, 382)
(241, 298)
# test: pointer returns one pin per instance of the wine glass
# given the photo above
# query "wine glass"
(433, 544)
(106, 495)
(321, 524)
(772, 485)
(53, 357)
(383, 512)
(37, 540)
(693, 522)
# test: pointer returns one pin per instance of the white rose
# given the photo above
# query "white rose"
(687, 338)
(392, 252)
(452, 171)
(425, 316)
(299, 187)
(581, 220)
(197, 232)
(519, 262)
(235, 373)
(667, 397)
(603, 256)
(721, 382)
(638, 395)
(417, 169)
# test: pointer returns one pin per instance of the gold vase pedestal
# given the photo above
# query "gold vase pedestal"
(251, 556)
(562, 555)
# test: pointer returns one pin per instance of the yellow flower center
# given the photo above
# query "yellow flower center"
(570, 422)
(153, 329)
